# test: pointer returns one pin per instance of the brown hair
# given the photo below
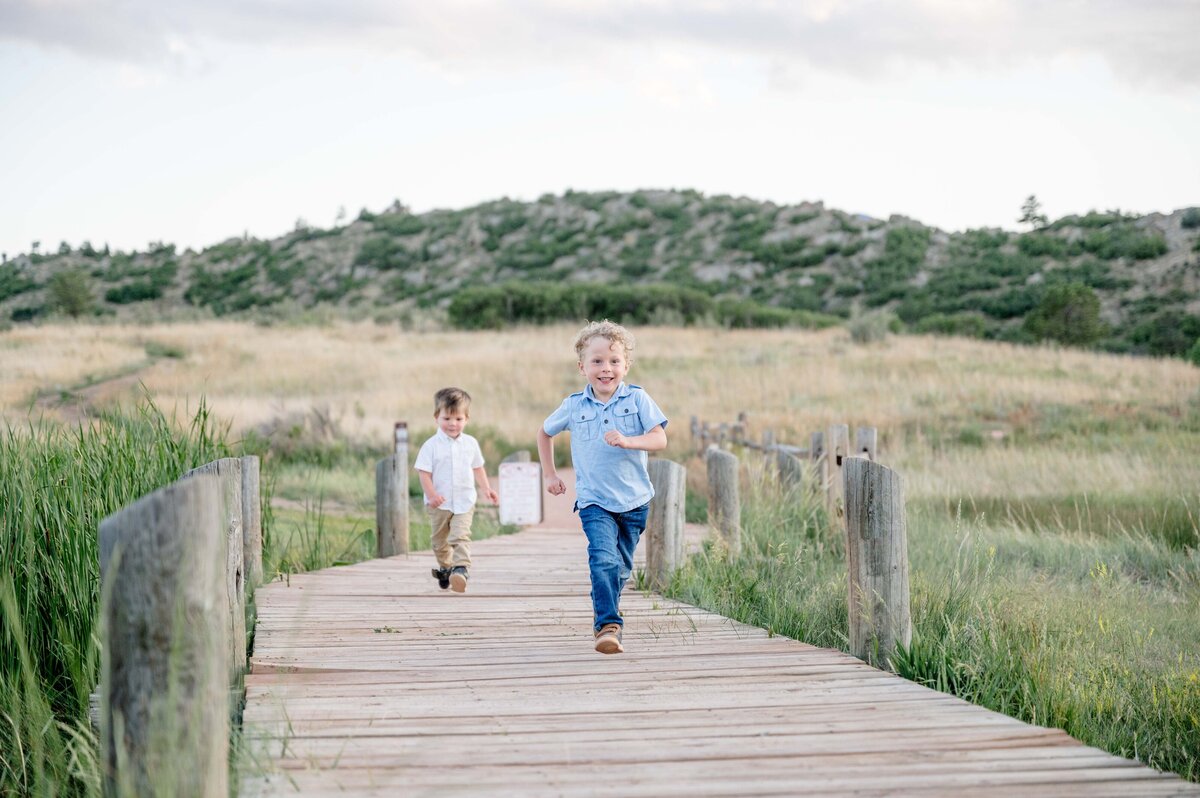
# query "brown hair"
(605, 329)
(451, 399)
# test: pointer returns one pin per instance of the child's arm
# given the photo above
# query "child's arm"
(653, 441)
(546, 455)
(482, 481)
(434, 498)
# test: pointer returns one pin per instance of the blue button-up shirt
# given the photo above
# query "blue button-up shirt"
(614, 478)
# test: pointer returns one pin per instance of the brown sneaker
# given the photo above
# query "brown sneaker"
(458, 579)
(608, 639)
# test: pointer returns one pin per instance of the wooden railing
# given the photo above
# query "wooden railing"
(861, 497)
(177, 573)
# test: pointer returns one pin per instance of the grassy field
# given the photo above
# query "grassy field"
(1054, 495)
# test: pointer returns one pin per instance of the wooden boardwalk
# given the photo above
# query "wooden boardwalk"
(369, 680)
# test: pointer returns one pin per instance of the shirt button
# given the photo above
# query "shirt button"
(606, 421)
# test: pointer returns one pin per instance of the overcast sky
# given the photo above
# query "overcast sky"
(190, 121)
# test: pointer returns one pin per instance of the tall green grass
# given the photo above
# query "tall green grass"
(1096, 634)
(56, 484)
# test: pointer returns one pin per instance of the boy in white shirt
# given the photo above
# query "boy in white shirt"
(445, 465)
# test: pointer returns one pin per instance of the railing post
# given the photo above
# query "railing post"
(724, 506)
(165, 651)
(391, 505)
(865, 441)
(877, 552)
(791, 470)
(837, 449)
(229, 472)
(664, 526)
(252, 541)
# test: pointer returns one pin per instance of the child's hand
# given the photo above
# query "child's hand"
(614, 438)
(437, 500)
(555, 486)
(492, 495)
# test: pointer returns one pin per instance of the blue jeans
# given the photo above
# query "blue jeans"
(612, 537)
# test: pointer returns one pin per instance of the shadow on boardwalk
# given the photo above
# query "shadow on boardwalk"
(369, 680)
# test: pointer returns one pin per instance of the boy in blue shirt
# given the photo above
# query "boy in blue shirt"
(613, 426)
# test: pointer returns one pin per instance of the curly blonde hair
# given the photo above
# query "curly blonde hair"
(605, 329)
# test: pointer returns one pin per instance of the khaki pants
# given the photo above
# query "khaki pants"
(451, 537)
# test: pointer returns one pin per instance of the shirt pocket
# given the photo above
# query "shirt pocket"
(628, 421)
(585, 424)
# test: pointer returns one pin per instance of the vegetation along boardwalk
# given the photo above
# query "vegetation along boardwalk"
(369, 680)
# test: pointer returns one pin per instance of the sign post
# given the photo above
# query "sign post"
(521, 493)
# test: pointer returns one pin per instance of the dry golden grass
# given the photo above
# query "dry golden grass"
(793, 381)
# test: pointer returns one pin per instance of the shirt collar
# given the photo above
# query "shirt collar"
(622, 390)
(447, 438)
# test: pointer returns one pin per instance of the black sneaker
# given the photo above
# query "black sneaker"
(443, 577)
(458, 579)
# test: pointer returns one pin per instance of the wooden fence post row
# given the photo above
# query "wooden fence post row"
(166, 641)
(724, 505)
(664, 526)
(877, 553)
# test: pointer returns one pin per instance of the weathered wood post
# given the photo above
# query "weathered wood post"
(228, 470)
(820, 467)
(695, 430)
(723, 435)
(391, 506)
(837, 449)
(768, 438)
(865, 442)
(165, 652)
(664, 526)
(877, 551)
(790, 468)
(706, 437)
(252, 541)
(724, 506)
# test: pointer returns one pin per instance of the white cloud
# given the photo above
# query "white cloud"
(1149, 41)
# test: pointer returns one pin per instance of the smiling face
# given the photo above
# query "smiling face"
(604, 363)
(452, 421)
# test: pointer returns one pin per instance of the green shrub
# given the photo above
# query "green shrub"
(1193, 354)
(1092, 219)
(12, 282)
(1068, 313)
(1038, 245)
(383, 253)
(69, 292)
(1190, 219)
(1012, 303)
(1169, 332)
(1123, 241)
(903, 254)
(970, 325)
(136, 291)
(27, 313)
(403, 224)
(223, 291)
(870, 327)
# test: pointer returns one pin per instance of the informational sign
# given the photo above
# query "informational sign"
(520, 493)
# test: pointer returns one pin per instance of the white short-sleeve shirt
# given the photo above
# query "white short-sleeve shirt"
(450, 462)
